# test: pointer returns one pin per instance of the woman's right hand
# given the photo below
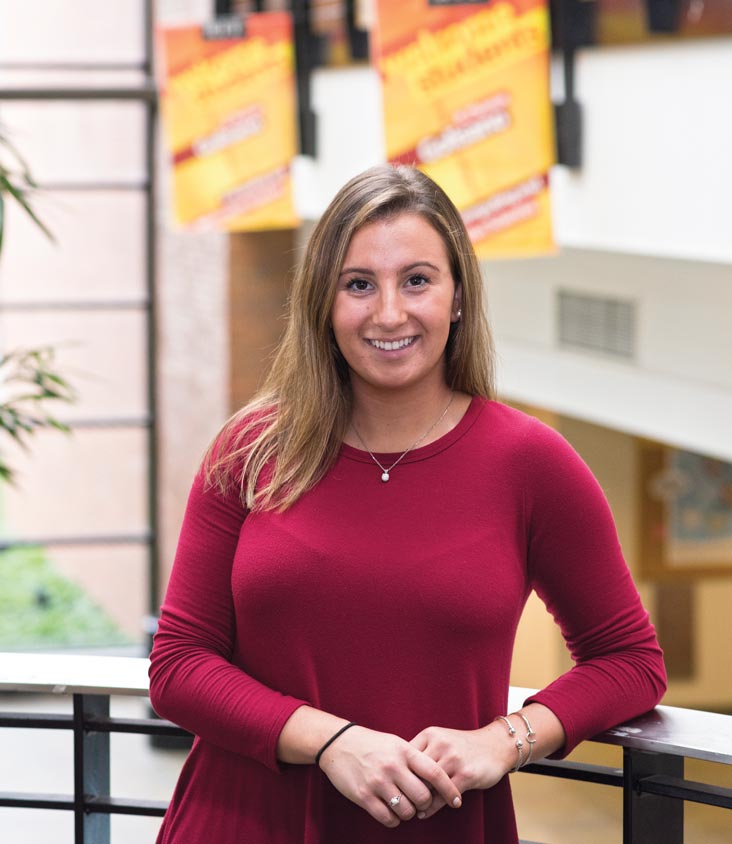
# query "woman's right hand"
(369, 768)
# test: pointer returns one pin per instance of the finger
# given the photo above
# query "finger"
(401, 805)
(380, 811)
(433, 774)
(416, 791)
(437, 804)
(420, 741)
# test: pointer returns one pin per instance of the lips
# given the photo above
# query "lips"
(392, 345)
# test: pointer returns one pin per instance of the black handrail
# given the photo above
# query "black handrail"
(656, 777)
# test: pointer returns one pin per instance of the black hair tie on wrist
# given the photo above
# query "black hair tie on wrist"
(332, 739)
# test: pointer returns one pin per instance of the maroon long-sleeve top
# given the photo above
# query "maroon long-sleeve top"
(394, 605)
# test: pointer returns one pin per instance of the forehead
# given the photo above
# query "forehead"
(395, 238)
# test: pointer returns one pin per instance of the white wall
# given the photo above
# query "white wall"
(678, 389)
(57, 30)
(657, 172)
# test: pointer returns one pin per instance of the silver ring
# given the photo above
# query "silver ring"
(395, 800)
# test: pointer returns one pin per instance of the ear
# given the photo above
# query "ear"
(456, 303)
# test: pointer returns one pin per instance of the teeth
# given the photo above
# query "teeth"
(390, 346)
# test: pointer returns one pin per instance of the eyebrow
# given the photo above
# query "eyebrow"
(407, 268)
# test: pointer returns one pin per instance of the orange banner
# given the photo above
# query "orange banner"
(466, 99)
(229, 108)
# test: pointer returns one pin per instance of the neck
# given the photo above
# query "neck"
(392, 422)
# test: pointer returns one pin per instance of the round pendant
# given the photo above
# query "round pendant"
(385, 477)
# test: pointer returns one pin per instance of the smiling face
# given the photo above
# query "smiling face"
(394, 303)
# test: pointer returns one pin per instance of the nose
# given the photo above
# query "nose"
(389, 313)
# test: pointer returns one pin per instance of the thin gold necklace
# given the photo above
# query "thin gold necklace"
(384, 471)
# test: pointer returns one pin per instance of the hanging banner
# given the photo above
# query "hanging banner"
(229, 110)
(466, 99)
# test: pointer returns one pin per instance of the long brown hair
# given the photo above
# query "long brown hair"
(296, 423)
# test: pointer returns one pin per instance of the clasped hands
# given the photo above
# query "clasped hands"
(428, 773)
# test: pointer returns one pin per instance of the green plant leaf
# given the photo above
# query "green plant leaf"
(20, 197)
(10, 146)
(58, 425)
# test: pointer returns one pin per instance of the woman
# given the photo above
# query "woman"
(356, 554)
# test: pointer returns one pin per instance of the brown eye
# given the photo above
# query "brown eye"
(358, 284)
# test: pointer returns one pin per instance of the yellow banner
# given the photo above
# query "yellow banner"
(466, 99)
(228, 107)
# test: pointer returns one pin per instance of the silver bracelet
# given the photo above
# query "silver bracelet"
(519, 743)
(530, 735)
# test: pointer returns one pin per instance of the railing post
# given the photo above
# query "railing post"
(650, 818)
(91, 770)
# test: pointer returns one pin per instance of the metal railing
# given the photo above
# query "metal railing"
(652, 778)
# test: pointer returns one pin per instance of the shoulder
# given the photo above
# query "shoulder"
(519, 432)
(536, 453)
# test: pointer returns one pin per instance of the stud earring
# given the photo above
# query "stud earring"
(459, 314)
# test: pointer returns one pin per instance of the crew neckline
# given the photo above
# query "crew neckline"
(423, 452)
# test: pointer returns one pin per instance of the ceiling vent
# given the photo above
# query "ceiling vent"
(597, 324)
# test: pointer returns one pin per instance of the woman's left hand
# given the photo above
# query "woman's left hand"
(481, 758)
(471, 758)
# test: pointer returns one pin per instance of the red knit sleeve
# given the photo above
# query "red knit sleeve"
(192, 679)
(577, 568)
